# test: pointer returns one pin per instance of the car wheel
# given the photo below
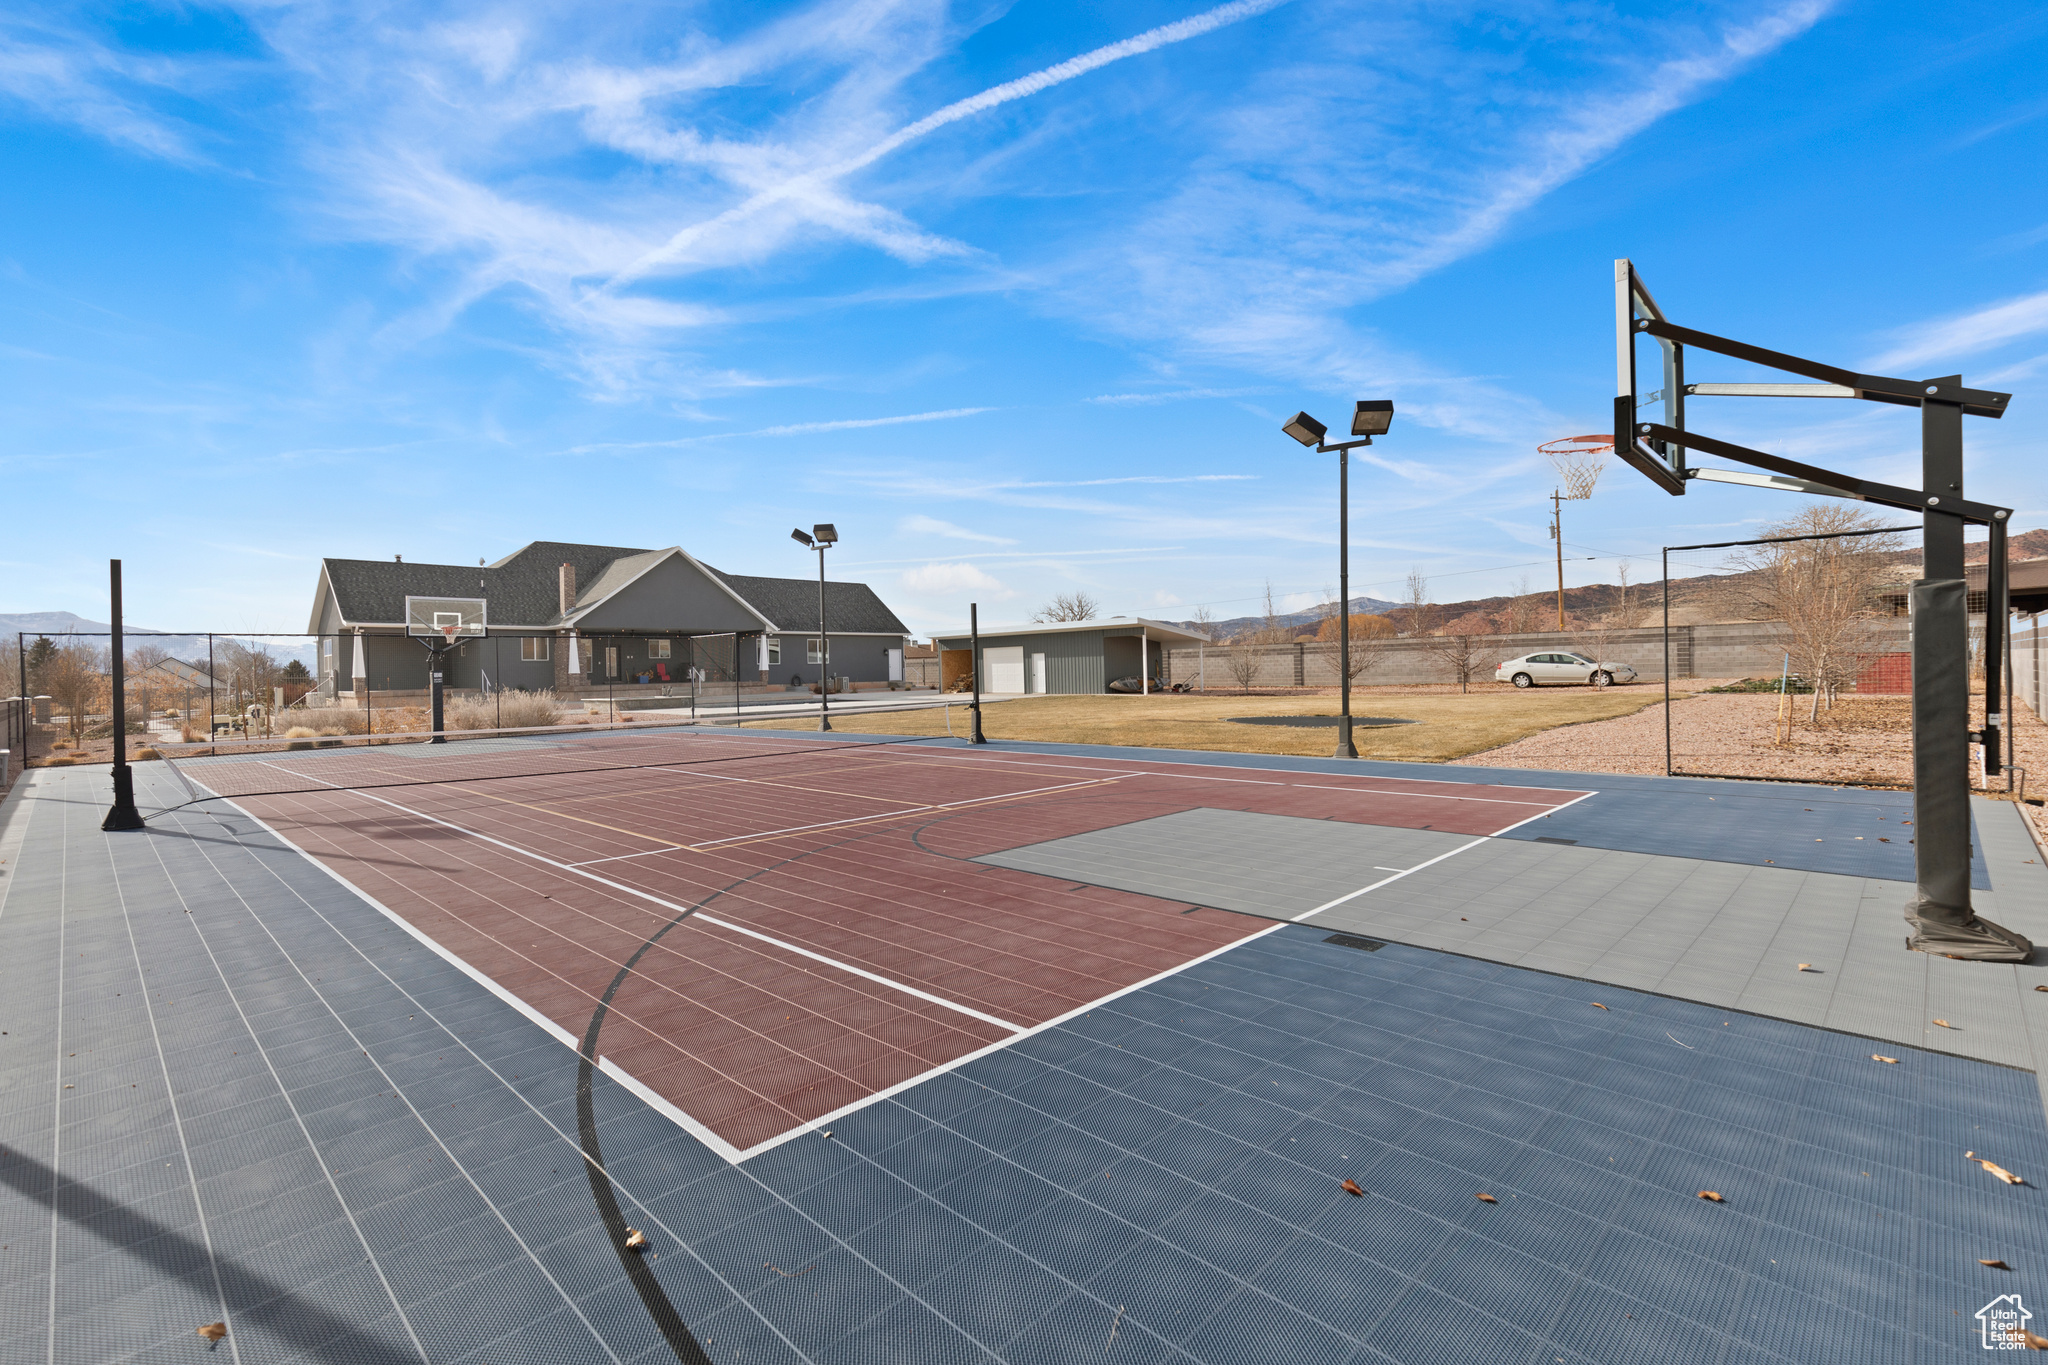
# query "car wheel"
(1524, 680)
(1603, 679)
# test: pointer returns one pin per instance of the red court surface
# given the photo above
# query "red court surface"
(811, 931)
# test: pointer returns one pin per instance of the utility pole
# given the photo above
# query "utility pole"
(1557, 534)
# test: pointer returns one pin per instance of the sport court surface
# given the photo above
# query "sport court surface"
(311, 1063)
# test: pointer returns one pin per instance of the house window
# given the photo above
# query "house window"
(774, 652)
(533, 649)
(657, 649)
(812, 654)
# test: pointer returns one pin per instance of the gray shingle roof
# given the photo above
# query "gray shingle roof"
(522, 588)
(792, 604)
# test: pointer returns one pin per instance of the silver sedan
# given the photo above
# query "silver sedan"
(1534, 670)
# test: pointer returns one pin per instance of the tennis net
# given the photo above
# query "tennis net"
(228, 769)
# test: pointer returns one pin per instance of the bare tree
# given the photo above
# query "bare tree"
(75, 686)
(1272, 631)
(1827, 592)
(1628, 612)
(1069, 606)
(1520, 615)
(1418, 615)
(1459, 654)
(1244, 664)
(1204, 620)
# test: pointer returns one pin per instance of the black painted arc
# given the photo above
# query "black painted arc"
(652, 1296)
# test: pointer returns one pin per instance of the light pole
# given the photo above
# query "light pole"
(822, 537)
(1372, 417)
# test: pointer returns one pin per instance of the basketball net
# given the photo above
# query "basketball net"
(448, 633)
(1579, 461)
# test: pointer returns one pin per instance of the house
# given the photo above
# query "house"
(2026, 588)
(1066, 656)
(566, 617)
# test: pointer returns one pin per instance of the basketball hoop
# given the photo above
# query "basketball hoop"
(1579, 461)
(448, 633)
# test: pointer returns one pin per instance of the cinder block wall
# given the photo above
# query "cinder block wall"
(1748, 649)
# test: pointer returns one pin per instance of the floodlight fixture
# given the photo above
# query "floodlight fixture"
(801, 538)
(825, 533)
(1372, 417)
(1305, 429)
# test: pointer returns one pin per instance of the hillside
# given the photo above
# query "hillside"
(1695, 600)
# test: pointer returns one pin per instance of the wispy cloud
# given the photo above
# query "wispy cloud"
(787, 429)
(921, 525)
(864, 219)
(1942, 342)
(1128, 478)
(1173, 395)
(68, 78)
(942, 580)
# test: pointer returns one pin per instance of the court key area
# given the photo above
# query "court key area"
(723, 1045)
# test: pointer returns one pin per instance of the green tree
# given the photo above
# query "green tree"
(41, 655)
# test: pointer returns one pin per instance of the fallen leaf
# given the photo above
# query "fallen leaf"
(214, 1331)
(1351, 1187)
(1882, 840)
(1711, 1197)
(2032, 1342)
(1880, 1057)
(1944, 1023)
(827, 1132)
(2003, 1174)
(1806, 966)
(636, 1240)
(1996, 1265)
(1598, 1006)
(1489, 1199)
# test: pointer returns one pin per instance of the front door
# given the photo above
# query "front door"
(1038, 673)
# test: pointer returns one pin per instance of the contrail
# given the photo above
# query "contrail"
(1180, 31)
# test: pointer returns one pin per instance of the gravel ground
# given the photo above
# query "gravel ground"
(1865, 741)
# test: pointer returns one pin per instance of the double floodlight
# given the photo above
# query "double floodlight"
(1373, 417)
(824, 533)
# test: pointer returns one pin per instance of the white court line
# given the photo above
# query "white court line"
(1247, 768)
(850, 820)
(1384, 881)
(1393, 869)
(784, 944)
(999, 1044)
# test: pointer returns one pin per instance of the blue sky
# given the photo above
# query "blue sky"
(1015, 294)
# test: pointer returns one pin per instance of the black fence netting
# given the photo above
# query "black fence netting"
(1837, 708)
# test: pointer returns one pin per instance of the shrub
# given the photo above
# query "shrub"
(518, 709)
(145, 754)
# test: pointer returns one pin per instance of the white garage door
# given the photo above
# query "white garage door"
(1005, 668)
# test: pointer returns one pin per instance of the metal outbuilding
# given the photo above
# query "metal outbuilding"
(1067, 656)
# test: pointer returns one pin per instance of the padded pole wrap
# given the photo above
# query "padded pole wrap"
(1940, 912)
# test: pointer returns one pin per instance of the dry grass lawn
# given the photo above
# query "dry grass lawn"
(1447, 725)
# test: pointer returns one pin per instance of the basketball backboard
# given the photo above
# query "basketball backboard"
(1650, 373)
(447, 619)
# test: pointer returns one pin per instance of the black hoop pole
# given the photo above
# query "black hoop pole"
(122, 815)
(974, 734)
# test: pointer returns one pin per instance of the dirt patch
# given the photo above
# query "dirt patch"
(1863, 741)
(1444, 723)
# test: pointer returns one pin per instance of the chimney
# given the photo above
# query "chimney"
(398, 559)
(568, 585)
